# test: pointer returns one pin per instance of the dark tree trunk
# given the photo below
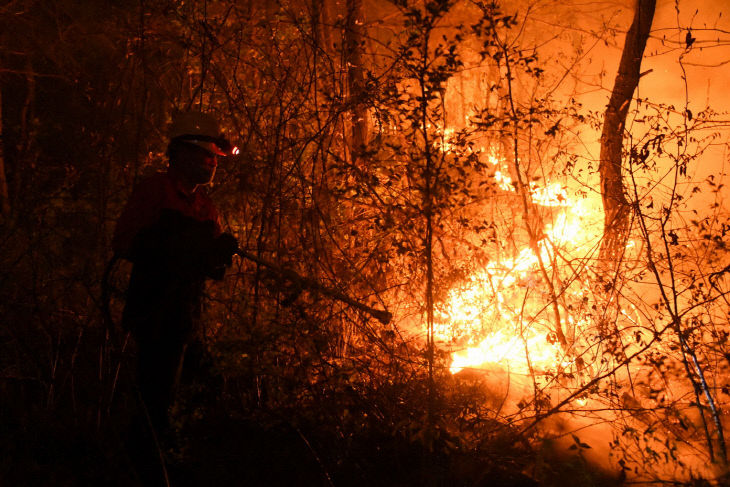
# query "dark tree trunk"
(354, 26)
(615, 205)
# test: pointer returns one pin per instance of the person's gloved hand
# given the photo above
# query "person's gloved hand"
(221, 255)
(224, 247)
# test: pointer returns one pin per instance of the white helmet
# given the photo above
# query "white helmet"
(200, 129)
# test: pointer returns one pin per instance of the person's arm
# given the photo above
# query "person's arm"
(192, 248)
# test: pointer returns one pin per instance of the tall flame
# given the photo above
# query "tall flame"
(499, 315)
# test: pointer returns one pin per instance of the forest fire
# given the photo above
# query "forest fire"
(497, 316)
(460, 242)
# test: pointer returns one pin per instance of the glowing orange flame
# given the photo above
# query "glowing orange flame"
(498, 316)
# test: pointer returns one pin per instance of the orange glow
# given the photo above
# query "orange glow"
(501, 315)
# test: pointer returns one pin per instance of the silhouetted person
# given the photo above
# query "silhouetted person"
(170, 231)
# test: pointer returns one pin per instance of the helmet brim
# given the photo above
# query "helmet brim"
(211, 147)
(215, 145)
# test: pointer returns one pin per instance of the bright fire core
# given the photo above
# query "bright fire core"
(503, 314)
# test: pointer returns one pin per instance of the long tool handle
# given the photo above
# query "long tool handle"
(381, 315)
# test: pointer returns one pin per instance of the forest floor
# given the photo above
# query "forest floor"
(212, 444)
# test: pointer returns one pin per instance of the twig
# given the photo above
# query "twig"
(319, 460)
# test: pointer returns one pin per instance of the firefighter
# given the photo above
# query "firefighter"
(170, 232)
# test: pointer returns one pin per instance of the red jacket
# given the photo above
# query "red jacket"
(151, 196)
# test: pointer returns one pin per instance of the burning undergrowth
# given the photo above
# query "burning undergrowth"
(590, 361)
